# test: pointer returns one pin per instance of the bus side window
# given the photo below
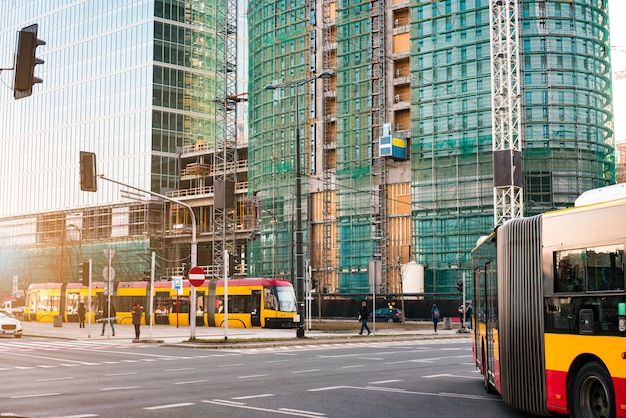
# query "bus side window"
(569, 271)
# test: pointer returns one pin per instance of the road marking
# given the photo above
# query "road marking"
(277, 361)
(408, 392)
(53, 379)
(172, 405)
(352, 367)
(325, 388)
(283, 411)
(251, 376)
(299, 411)
(263, 395)
(119, 388)
(382, 382)
(35, 396)
(180, 370)
(452, 375)
(305, 371)
(120, 374)
(190, 382)
(231, 365)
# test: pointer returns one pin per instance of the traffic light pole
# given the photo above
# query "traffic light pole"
(89, 303)
(464, 307)
(152, 267)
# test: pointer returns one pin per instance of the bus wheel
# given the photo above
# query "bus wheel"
(592, 394)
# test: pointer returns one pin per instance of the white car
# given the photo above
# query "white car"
(10, 325)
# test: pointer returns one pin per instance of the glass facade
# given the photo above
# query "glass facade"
(132, 81)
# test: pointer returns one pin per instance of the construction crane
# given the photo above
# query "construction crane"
(224, 211)
(506, 110)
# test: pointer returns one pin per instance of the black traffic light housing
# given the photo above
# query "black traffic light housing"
(83, 272)
(25, 61)
(147, 274)
(88, 176)
(459, 286)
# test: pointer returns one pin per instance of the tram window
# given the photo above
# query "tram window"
(49, 303)
(161, 303)
(236, 304)
(593, 269)
(73, 299)
(270, 298)
(182, 302)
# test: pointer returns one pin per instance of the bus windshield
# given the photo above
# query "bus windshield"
(286, 298)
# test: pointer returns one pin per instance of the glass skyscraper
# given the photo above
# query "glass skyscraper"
(132, 81)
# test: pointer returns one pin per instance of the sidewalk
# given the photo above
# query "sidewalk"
(223, 338)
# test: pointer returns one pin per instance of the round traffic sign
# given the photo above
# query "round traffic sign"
(196, 276)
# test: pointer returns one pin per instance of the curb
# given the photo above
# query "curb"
(309, 341)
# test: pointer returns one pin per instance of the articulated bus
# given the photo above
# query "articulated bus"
(550, 311)
(268, 303)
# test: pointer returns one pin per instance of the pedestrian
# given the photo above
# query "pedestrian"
(81, 315)
(461, 310)
(468, 315)
(137, 314)
(364, 313)
(435, 314)
(108, 317)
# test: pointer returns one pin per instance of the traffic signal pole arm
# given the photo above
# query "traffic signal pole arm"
(194, 242)
(194, 245)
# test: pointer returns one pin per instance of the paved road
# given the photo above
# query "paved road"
(369, 378)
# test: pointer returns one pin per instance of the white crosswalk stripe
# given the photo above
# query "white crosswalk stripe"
(58, 345)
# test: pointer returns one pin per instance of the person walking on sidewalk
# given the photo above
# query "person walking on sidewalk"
(435, 314)
(81, 315)
(108, 317)
(137, 314)
(364, 313)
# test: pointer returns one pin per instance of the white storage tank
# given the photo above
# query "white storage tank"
(412, 278)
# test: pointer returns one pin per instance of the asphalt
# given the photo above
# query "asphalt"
(210, 337)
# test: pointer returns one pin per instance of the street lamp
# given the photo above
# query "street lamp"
(299, 251)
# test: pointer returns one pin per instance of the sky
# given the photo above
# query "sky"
(617, 9)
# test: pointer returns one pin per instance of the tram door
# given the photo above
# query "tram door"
(255, 315)
(200, 309)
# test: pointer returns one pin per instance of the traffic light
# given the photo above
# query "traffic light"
(459, 286)
(147, 275)
(88, 179)
(25, 61)
(83, 273)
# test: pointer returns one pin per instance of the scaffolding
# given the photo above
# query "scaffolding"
(425, 69)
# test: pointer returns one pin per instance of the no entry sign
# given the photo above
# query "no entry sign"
(196, 276)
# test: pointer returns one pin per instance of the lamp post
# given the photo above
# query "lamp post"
(299, 282)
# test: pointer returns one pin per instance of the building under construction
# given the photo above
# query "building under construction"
(398, 147)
